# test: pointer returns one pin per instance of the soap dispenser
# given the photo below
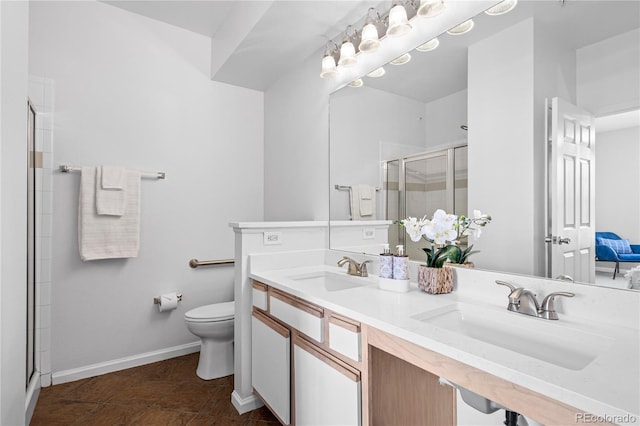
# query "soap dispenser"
(399, 280)
(400, 264)
(386, 263)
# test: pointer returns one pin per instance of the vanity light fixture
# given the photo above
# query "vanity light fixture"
(401, 60)
(347, 51)
(356, 83)
(329, 69)
(501, 8)
(370, 41)
(379, 72)
(398, 23)
(460, 29)
(428, 46)
(431, 8)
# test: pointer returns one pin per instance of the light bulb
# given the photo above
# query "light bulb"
(370, 41)
(379, 72)
(356, 83)
(431, 8)
(398, 23)
(347, 55)
(430, 45)
(401, 60)
(501, 8)
(329, 69)
(463, 28)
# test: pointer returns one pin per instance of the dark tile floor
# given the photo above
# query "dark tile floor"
(162, 393)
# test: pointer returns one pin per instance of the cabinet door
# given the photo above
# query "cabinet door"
(327, 391)
(271, 364)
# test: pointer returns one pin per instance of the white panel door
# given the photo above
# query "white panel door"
(271, 364)
(571, 192)
(326, 393)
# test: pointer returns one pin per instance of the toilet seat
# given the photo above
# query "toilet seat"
(212, 313)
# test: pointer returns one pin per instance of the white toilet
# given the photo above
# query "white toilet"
(214, 325)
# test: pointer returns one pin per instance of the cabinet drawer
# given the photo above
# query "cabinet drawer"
(327, 391)
(301, 315)
(344, 336)
(270, 364)
(259, 294)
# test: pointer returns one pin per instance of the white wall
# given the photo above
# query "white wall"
(443, 118)
(296, 158)
(13, 202)
(608, 74)
(501, 169)
(136, 92)
(618, 183)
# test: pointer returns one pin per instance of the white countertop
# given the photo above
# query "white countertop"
(608, 386)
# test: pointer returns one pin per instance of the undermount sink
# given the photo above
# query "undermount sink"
(545, 340)
(331, 281)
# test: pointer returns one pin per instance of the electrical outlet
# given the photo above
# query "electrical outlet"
(368, 233)
(272, 238)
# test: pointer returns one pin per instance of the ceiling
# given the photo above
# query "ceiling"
(271, 36)
(256, 41)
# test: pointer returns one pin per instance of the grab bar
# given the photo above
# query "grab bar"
(194, 263)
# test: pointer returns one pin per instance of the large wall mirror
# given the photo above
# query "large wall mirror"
(463, 127)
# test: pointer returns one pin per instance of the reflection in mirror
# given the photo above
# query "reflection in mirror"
(494, 80)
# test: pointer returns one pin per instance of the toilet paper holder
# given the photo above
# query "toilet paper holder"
(156, 300)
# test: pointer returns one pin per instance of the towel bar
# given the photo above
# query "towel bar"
(348, 188)
(65, 168)
(194, 263)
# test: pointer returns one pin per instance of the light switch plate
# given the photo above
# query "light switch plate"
(368, 233)
(272, 238)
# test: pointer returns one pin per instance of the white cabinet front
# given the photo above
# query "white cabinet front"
(270, 364)
(327, 392)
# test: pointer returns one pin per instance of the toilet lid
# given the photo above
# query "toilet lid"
(214, 312)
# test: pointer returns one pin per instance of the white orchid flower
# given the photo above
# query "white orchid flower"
(414, 227)
(442, 227)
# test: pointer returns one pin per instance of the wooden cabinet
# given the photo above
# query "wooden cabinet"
(327, 390)
(270, 364)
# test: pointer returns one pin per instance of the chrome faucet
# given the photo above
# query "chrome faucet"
(355, 268)
(545, 311)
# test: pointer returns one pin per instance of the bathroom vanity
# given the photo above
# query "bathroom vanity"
(330, 348)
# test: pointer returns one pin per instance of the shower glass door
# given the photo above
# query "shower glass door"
(417, 186)
(428, 187)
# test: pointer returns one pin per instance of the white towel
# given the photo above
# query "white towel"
(366, 200)
(109, 201)
(108, 237)
(113, 177)
(362, 202)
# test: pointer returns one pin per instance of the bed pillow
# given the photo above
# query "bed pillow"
(619, 246)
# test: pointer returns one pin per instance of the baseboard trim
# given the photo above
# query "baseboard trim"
(123, 363)
(244, 405)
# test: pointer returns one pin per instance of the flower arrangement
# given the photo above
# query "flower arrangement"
(443, 231)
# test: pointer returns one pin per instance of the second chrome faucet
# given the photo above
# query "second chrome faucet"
(546, 310)
(355, 268)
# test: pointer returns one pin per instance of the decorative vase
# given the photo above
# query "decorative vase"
(435, 280)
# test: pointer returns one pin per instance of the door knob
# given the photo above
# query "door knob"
(564, 241)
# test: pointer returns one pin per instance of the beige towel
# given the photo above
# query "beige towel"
(103, 236)
(110, 200)
(362, 200)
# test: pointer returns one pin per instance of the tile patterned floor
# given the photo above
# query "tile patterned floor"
(162, 393)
